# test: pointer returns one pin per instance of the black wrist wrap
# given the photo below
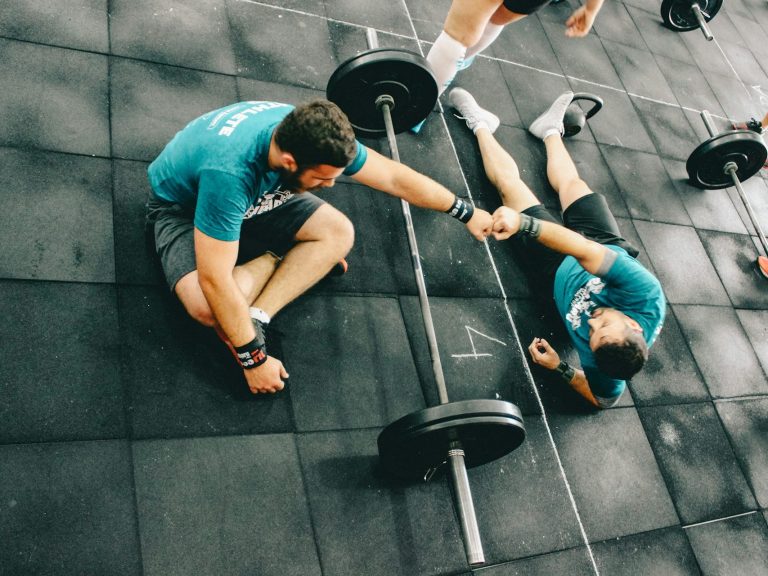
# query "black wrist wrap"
(254, 353)
(461, 210)
(567, 372)
(529, 225)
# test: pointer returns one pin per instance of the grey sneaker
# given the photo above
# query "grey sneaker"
(471, 112)
(551, 121)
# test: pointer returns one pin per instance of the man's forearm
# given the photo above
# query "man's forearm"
(594, 5)
(420, 190)
(229, 309)
(590, 254)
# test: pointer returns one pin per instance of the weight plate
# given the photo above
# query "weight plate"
(706, 164)
(678, 15)
(404, 75)
(487, 430)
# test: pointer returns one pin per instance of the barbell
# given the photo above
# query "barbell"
(727, 159)
(685, 15)
(386, 91)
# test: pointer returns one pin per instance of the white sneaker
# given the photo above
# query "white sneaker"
(471, 112)
(551, 121)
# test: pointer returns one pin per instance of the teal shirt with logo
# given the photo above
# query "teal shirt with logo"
(217, 166)
(628, 287)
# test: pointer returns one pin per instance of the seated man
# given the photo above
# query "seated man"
(239, 236)
(613, 308)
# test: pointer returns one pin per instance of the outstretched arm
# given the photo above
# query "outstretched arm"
(592, 256)
(399, 180)
(544, 355)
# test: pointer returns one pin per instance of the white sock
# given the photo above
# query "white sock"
(490, 34)
(444, 58)
(260, 315)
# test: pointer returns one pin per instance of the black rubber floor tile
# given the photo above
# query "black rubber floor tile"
(665, 551)
(485, 81)
(182, 33)
(513, 274)
(756, 191)
(732, 546)
(645, 186)
(349, 40)
(349, 361)
(380, 260)
(614, 23)
(639, 73)
(698, 464)
(479, 352)
(616, 482)
(706, 55)
(668, 127)
(365, 523)
(76, 244)
(745, 67)
(525, 42)
(583, 59)
(60, 374)
(249, 89)
(660, 40)
(722, 351)
(755, 323)
(573, 562)
(618, 123)
(135, 258)
(223, 506)
(724, 30)
(737, 101)
(68, 508)
(182, 380)
(80, 24)
(629, 232)
(745, 422)
(689, 85)
(57, 99)
(151, 102)
(708, 209)
(308, 6)
(279, 52)
(381, 16)
(521, 501)
(538, 318)
(734, 256)
(670, 375)
(753, 33)
(681, 264)
(594, 170)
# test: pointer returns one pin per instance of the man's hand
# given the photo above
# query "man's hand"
(266, 378)
(543, 354)
(506, 223)
(580, 22)
(481, 224)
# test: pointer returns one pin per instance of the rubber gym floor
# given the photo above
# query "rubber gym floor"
(128, 441)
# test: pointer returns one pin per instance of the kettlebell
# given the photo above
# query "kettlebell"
(575, 118)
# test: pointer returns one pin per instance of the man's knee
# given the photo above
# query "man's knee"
(330, 226)
(191, 297)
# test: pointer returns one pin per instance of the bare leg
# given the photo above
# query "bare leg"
(764, 121)
(562, 174)
(466, 19)
(323, 240)
(503, 173)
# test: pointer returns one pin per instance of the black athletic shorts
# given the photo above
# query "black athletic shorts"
(273, 230)
(589, 216)
(524, 6)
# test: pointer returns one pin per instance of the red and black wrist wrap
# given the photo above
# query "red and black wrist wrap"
(254, 353)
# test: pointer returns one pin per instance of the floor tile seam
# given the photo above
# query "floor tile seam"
(521, 350)
(722, 519)
(30, 149)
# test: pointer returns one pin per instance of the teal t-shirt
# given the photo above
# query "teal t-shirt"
(217, 165)
(628, 287)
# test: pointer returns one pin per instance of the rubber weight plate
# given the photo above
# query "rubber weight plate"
(706, 164)
(487, 430)
(678, 16)
(404, 75)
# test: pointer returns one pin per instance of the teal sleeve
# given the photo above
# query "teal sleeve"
(222, 200)
(357, 163)
(601, 385)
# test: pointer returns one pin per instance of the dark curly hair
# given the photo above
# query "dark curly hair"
(317, 132)
(622, 359)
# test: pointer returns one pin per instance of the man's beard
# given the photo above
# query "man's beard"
(291, 181)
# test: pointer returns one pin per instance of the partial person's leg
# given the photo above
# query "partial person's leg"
(464, 26)
(562, 173)
(503, 173)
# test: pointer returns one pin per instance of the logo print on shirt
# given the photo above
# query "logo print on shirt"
(268, 202)
(582, 302)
